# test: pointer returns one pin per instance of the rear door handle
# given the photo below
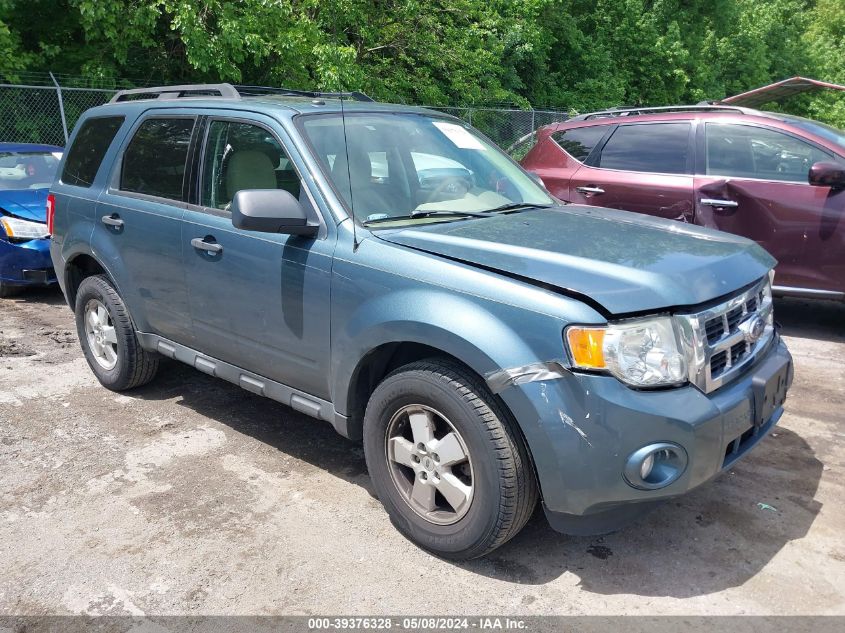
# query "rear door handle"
(112, 220)
(202, 244)
(590, 190)
(711, 202)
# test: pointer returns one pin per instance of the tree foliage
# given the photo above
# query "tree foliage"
(575, 54)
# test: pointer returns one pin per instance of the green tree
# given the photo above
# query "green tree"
(576, 54)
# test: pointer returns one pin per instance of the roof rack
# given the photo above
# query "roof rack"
(627, 111)
(220, 91)
(255, 91)
(223, 91)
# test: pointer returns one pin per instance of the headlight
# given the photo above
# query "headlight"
(640, 353)
(767, 297)
(23, 229)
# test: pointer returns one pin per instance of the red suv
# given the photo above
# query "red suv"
(774, 178)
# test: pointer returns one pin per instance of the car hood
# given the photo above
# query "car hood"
(27, 204)
(624, 262)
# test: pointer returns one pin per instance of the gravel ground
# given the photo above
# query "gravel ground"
(191, 496)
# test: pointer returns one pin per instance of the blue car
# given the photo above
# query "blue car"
(26, 173)
(388, 270)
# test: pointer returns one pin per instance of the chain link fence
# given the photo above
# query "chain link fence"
(44, 114)
(511, 129)
(47, 114)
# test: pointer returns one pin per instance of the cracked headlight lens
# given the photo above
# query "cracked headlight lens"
(640, 353)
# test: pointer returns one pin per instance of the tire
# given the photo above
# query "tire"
(7, 290)
(127, 365)
(495, 487)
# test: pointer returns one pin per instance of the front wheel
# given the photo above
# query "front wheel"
(446, 460)
(108, 337)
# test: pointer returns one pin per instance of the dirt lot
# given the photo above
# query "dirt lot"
(191, 496)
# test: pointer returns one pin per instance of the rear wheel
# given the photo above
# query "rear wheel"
(446, 460)
(108, 337)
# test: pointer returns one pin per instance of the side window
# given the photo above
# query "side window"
(661, 148)
(747, 151)
(580, 141)
(243, 156)
(86, 153)
(154, 162)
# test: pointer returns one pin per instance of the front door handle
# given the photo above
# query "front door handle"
(712, 202)
(202, 244)
(591, 190)
(112, 220)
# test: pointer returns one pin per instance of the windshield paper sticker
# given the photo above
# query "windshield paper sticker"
(459, 135)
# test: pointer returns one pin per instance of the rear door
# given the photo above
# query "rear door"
(138, 222)
(259, 301)
(642, 167)
(753, 182)
(557, 156)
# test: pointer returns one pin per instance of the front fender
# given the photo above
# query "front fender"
(477, 332)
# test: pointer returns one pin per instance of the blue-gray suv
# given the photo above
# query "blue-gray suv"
(388, 270)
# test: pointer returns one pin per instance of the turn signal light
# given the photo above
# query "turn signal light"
(586, 344)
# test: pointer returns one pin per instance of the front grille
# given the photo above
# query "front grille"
(733, 317)
(738, 351)
(722, 339)
(727, 358)
(718, 363)
(715, 329)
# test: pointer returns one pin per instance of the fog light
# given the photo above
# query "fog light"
(648, 464)
(655, 466)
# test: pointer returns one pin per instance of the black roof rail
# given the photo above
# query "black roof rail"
(256, 91)
(628, 111)
(224, 91)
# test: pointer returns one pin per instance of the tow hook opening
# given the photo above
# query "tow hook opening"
(655, 466)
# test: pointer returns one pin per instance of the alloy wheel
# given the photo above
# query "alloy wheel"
(102, 338)
(429, 464)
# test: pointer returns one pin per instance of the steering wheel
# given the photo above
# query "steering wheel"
(451, 184)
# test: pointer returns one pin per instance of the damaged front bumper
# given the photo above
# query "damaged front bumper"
(586, 432)
(26, 263)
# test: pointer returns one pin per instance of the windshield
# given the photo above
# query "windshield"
(402, 164)
(28, 170)
(823, 130)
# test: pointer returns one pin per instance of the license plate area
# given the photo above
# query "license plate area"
(39, 276)
(769, 387)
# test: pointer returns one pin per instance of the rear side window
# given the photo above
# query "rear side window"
(154, 163)
(86, 153)
(661, 148)
(580, 141)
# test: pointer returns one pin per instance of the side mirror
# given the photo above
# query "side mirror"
(827, 174)
(270, 211)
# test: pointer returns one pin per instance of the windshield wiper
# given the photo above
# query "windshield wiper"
(518, 206)
(422, 213)
(425, 214)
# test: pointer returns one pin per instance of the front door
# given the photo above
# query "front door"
(754, 184)
(644, 167)
(258, 300)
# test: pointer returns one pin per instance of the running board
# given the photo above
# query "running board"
(259, 385)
